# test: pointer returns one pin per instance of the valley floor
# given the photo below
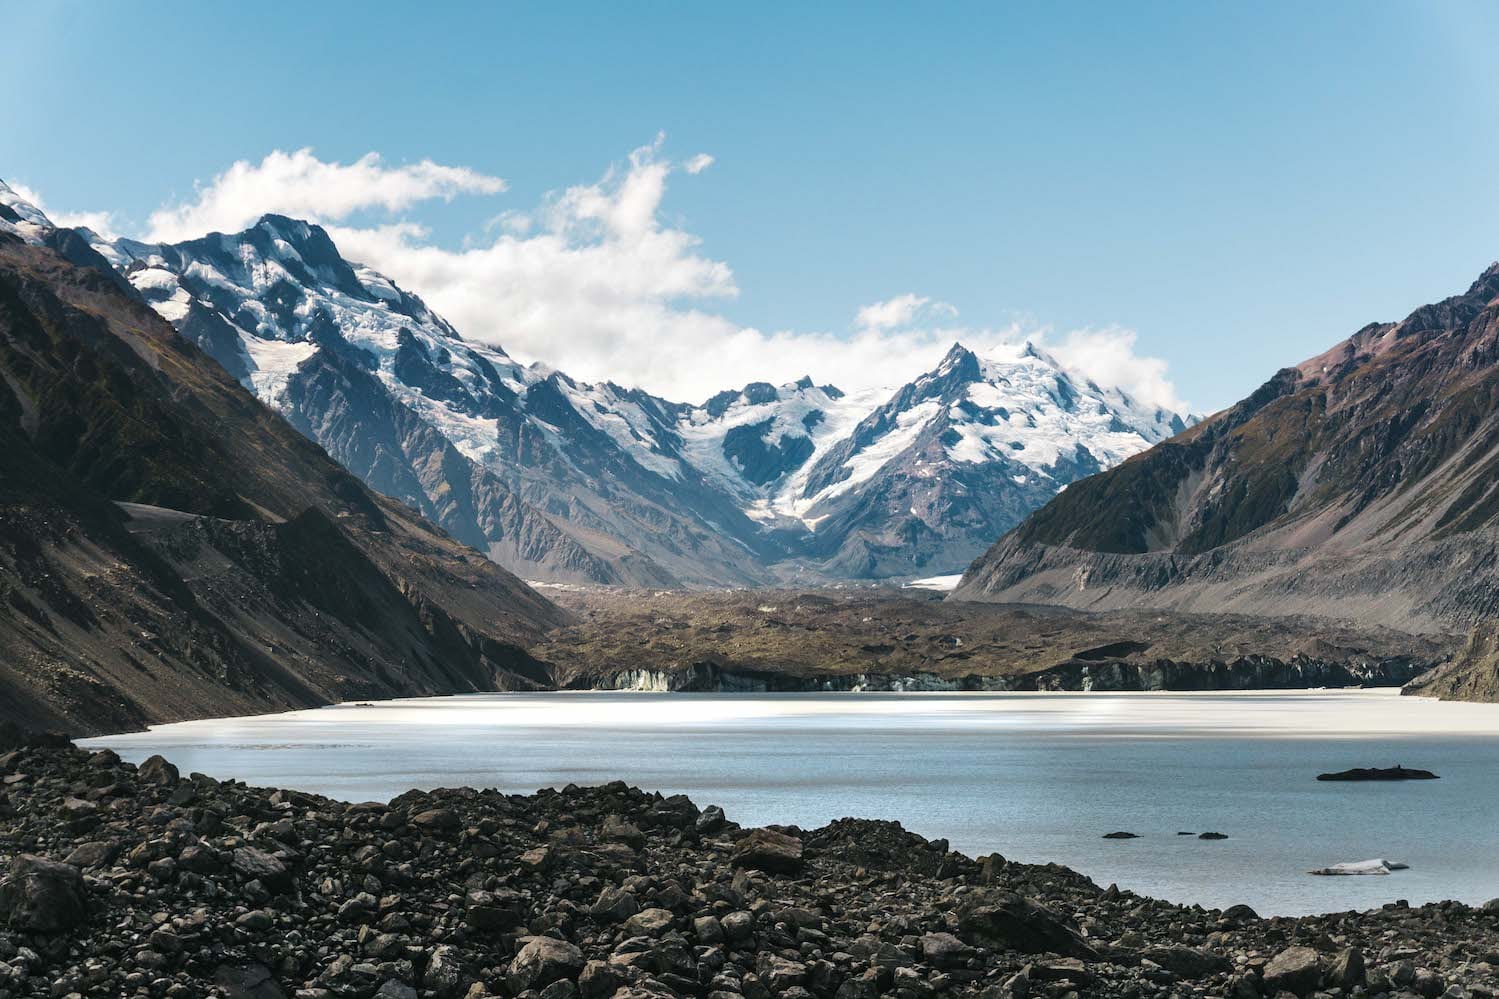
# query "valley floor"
(886, 639)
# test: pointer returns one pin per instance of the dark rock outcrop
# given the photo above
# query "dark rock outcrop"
(1396, 772)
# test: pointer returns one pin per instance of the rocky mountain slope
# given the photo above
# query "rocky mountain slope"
(565, 481)
(169, 547)
(1362, 485)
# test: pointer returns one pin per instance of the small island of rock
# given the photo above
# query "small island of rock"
(1397, 772)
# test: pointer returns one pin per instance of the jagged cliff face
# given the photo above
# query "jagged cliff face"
(169, 547)
(1360, 484)
(566, 481)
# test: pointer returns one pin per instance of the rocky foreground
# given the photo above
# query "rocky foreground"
(126, 881)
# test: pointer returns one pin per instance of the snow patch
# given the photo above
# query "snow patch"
(273, 362)
(940, 583)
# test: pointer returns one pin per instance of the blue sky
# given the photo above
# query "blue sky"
(1238, 186)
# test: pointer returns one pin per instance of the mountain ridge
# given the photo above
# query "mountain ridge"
(170, 548)
(567, 481)
(1359, 484)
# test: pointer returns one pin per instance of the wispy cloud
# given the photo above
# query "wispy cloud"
(900, 311)
(301, 185)
(595, 282)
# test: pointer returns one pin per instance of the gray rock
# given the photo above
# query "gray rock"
(392, 989)
(1347, 969)
(738, 926)
(251, 981)
(614, 905)
(445, 973)
(156, 770)
(1008, 920)
(649, 922)
(42, 895)
(769, 851)
(712, 820)
(618, 830)
(91, 855)
(1296, 969)
(544, 960)
(252, 864)
(436, 820)
(599, 980)
(1188, 962)
(943, 950)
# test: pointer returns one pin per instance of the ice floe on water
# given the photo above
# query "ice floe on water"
(1354, 867)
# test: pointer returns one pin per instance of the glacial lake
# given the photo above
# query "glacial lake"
(1036, 777)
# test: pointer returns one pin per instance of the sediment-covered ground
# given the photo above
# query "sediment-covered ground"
(126, 881)
(884, 639)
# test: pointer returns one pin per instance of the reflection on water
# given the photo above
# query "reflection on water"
(1036, 777)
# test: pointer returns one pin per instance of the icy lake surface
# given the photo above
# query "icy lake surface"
(1036, 777)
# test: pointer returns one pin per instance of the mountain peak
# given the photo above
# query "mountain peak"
(309, 239)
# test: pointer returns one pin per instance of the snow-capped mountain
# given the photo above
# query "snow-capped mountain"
(563, 480)
(893, 484)
(554, 478)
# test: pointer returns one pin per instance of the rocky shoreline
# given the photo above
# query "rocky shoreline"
(126, 881)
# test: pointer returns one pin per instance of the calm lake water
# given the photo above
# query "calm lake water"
(1036, 777)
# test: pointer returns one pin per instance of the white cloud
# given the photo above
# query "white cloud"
(899, 312)
(100, 222)
(1108, 356)
(302, 186)
(593, 282)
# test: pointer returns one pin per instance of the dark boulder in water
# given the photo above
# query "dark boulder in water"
(1397, 772)
(1212, 835)
(1121, 835)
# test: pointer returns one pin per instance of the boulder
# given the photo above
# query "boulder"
(711, 821)
(943, 950)
(648, 922)
(94, 854)
(1004, 919)
(617, 829)
(544, 960)
(1188, 962)
(257, 865)
(1347, 969)
(1296, 969)
(156, 770)
(445, 975)
(436, 820)
(614, 905)
(42, 896)
(250, 981)
(769, 851)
